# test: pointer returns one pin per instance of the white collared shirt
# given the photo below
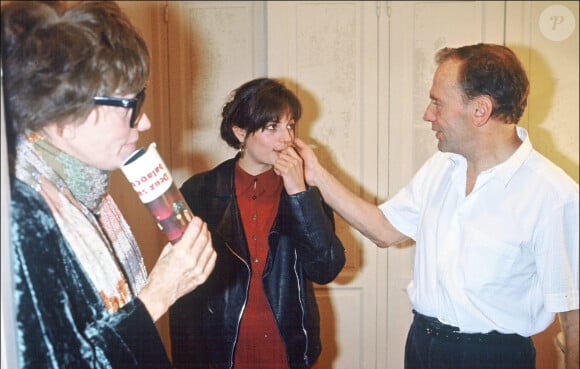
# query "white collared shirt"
(503, 258)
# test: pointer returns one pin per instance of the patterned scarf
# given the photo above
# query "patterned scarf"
(87, 217)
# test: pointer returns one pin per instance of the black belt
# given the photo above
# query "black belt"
(434, 327)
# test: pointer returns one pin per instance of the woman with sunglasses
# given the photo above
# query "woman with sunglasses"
(74, 88)
(274, 237)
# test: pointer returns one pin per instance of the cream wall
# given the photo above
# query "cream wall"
(544, 34)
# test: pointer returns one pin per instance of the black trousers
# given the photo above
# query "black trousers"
(434, 345)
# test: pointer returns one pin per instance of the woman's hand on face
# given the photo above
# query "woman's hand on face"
(290, 167)
(180, 269)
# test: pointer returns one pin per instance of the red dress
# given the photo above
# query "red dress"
(259, 343)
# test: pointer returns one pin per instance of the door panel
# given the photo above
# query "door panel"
(327, 51)
(214, 46)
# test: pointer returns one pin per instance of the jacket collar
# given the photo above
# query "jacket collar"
(229, 227)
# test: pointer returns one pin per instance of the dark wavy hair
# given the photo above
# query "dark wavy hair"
(55, 60)
(493, 70)
(255, 103)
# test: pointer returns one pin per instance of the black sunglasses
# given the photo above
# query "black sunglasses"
(135, 103)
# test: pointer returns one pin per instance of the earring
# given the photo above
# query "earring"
(242, 149)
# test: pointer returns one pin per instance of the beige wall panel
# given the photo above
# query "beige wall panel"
(214, 48)
(552, 49)
(339, 308)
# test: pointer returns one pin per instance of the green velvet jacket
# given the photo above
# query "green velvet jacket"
(61, 322)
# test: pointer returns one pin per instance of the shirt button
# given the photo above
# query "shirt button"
(254, 197)
(254, 237)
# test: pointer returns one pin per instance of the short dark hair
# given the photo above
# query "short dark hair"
(56, 61)
(493, 70)
(254, 104)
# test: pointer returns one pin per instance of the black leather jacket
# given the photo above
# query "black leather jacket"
(303, 248)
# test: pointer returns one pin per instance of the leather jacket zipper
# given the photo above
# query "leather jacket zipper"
(243, 306)
(305, 353)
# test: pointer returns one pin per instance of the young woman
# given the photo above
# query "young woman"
(74, 87)
(274, 236)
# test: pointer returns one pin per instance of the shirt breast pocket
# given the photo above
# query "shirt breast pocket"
(487, 261)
